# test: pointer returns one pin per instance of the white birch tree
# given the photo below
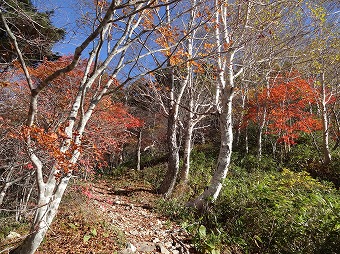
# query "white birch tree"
(173, 81)
(225, 91)
(114, 46)
(238, 26)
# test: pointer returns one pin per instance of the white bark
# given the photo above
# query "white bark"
(138, 152)
(325, 124)
(169, 181)
(225, 91)
(260, 133)
(3, 192)
(45, 213)
(213, 190)
(51, 190)
(8, 183)
(176, 96)
(199, 107)
(187, 151)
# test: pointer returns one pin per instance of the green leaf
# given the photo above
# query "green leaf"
(106, 234)
(71, 225)
(184, 225)
(202, 231)
(337, 226)
(94, 232)
(214, 251)
(210, 246)
(86, 238)
(258, 238)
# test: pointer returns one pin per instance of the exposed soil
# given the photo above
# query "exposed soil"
(113, 217)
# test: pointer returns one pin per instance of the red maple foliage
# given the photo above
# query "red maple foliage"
(106, 132)
(287, 102)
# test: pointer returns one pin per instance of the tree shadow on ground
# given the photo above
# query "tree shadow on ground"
(129, 192)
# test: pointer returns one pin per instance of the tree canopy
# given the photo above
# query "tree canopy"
(34, 31)
(247, 87)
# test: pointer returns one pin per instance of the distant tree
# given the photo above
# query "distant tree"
(117, 42)
(286, 102)
(198, 104)
(241, 29)
(323, 65)
(34, 31)
(180, 46)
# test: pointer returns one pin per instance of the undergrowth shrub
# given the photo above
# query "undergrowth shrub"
(201, 169)
(251, 162)
(174, 209)
(153, 175)
(303, 154)
(279, 212)
(329, 172)
(205, 240)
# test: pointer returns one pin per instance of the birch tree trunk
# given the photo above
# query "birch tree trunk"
(325, 124)
(3, 192)
(139, 146)
(184, 177)
(225, 107)
(45, 213)
(213, 190)
(8, 183)
(260, 134)
(176, 95)
(225, 91)
(263, 121)
(170, 178)
(198, 110)
(244, 94)
(168, 184)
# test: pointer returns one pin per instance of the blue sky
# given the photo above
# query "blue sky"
(66, 12)
(66, 15)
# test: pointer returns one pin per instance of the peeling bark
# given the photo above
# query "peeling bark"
(213, 190)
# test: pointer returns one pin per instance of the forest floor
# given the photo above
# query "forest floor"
(113, 216)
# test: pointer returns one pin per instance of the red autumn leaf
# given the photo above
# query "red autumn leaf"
(287, 105)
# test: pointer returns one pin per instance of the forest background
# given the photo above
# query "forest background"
(232, 105)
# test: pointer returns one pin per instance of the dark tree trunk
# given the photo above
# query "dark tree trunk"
(168, 184)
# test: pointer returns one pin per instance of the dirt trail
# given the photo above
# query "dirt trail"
(131, 210)
(107, 217)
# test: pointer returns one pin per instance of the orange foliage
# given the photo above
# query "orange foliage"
(50, 142)
(148, 19)
(106, 132)
(100, 4)
(287, 104)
